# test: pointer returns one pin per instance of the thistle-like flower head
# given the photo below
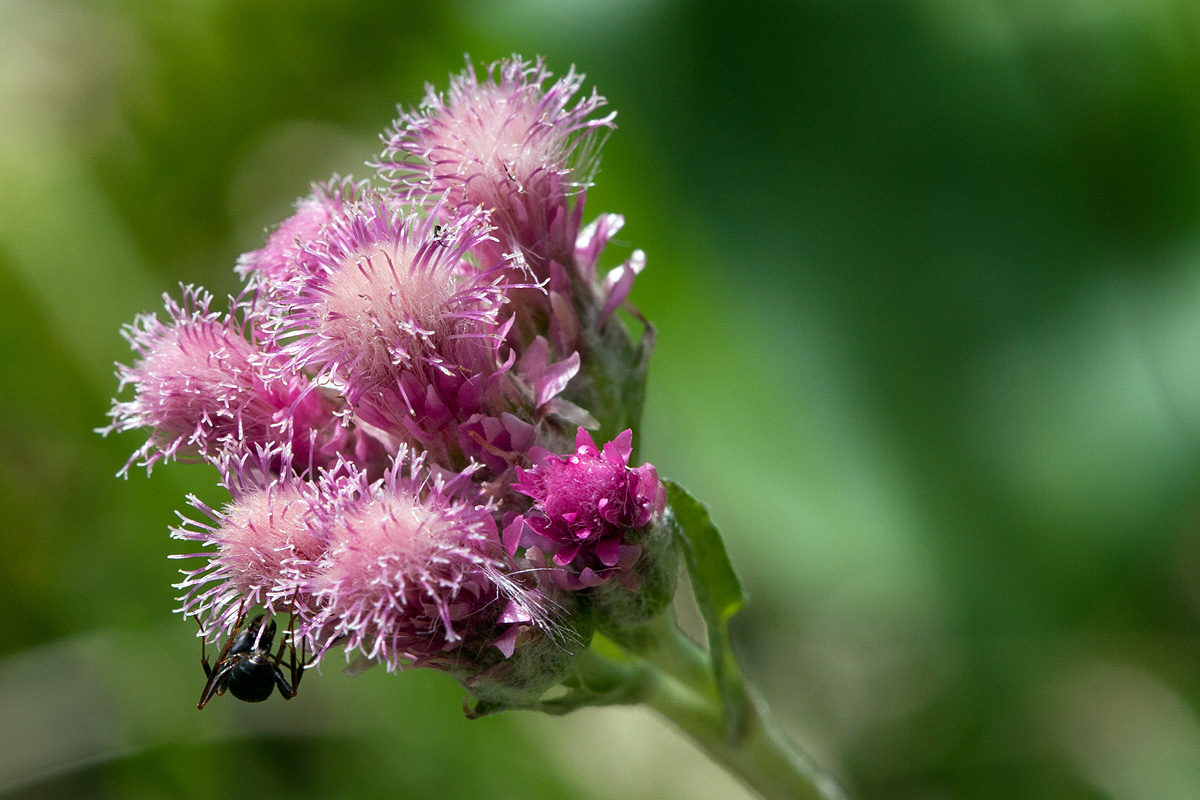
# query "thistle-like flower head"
(398, 318)
(508, 143)
(414, 571)
(586, 503)
(267, 538)
(200, 384)
(393, 292)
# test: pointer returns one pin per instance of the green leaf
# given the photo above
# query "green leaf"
(718, 595)
(712, 574)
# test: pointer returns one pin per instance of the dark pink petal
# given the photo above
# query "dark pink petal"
(512, 535)
(628, 579)
(565, 325)
(630, 553)
(521, 435)
(534, 360)
(514, 612)
(608, 550)
(470, 394)
(620, 449)
(570, 413)
(583, 439)
(589, 577)
(565, 555)
(560, 279)
(593, 239)
(619, 282)
(613, 513)
(555, 378)
(506, 642)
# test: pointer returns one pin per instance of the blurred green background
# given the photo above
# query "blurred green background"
(927, 280)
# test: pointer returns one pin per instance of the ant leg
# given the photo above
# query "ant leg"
(218, 675)
(288, 690)
(297, 669)
(215, 685)
(291, 634)
(203, 650)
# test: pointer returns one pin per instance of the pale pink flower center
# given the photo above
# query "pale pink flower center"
(395, 527)
(377, 305)
(494, 128)
(197, 354)
(265, 532)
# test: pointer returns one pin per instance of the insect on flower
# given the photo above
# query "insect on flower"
(246, 667)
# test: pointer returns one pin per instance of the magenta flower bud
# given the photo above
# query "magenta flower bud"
(587, 506)
(202, 387)
(284, 255)
(414, 574)
(509, 144)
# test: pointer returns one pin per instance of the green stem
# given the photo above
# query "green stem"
(664, 645)
(761, 756)
(678, 681)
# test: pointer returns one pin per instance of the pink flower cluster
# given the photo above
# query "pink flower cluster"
(386, 398)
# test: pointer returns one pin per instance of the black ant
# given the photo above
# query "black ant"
(246, 667)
